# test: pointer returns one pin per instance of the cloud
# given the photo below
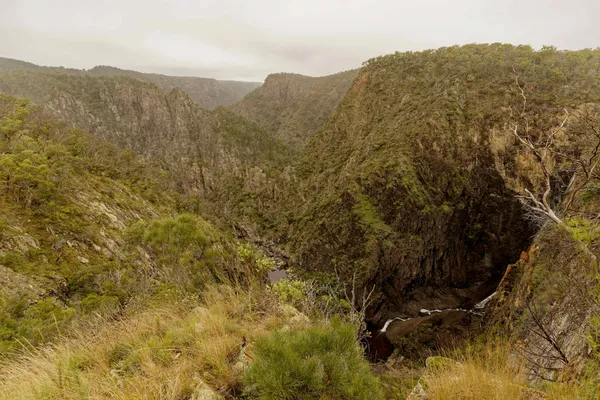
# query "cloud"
(231, 39)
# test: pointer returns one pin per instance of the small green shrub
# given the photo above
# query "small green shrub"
(314, 363)
(135, 232)
(187, 248)
(583, 230)
(30, 324)
(99, 304)
(253, 262)
(290, 291)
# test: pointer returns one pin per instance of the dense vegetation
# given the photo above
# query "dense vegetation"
(404, 180)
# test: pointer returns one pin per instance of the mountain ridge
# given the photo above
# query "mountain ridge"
(207, 92)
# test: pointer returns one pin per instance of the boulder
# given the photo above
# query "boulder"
(204, 392)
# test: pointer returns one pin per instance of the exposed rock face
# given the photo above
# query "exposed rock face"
(438, 330)
(546, 301)
(207, 93)
(417, 336)
(294, 106)
(204, 392)
(216, 155)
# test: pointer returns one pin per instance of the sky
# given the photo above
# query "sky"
(247, 40)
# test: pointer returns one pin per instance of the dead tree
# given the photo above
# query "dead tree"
(548, 154)
(540, 327)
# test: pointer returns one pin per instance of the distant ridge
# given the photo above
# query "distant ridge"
(294, 106)
(207, 92)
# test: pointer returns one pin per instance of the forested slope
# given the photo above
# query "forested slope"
(402, 185)
(206, 92)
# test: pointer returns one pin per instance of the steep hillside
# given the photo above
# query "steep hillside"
(208, 93)
(208, 153)
(548, 301)
(86, 228)
(401, 186)
(107, 292)
(294, 106)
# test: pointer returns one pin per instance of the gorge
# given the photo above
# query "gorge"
(392, 195)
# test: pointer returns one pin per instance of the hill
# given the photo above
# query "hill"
(215, 157)
(71, 206)
(401, 187)
(208, 93)
(294, 106)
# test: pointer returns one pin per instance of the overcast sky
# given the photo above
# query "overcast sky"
(247, 40)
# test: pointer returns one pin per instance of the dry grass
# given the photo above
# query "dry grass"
(479, 373)
(158, 354)
(490, 372)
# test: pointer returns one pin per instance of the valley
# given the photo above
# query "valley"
(407, 201)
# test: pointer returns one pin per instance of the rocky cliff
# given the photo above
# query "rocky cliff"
(208, 153)
(403, 188)
(208, 93)
(294, 106)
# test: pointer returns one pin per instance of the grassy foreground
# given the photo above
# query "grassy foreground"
(187, 349)
(159, 353)
(489, 372)
(250, 344)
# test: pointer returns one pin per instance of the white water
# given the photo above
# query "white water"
(424, 312)
(389, 321)
(485, 301)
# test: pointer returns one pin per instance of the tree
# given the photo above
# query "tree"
(13, 122)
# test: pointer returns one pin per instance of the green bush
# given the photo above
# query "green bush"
(188, 250)
(321, 362)
(290, 291)
(99, 304)
(22, 324)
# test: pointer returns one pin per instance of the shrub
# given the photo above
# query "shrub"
(314, 363)
(33, 324)
(99, 304)
(582, 230)
(253, 262)
(183, 248)
(287, 291)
